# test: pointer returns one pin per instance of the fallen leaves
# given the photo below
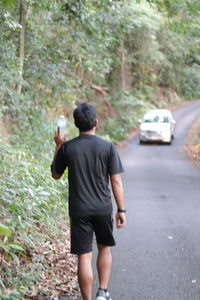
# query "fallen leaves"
(59, 280)
(192, 148)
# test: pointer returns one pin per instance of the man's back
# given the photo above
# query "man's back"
(90, 161)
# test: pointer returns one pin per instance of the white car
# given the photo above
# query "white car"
(157, 125)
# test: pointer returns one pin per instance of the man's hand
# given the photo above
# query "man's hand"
(120, 220)
(58, 138)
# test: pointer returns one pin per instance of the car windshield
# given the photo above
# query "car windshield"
(156, 119)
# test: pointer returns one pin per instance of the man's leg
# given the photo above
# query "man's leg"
(85, 275)
(104, 265)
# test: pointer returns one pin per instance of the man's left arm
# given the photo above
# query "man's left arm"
(114, 169)
(117, 189)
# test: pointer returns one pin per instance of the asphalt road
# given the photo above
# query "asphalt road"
(158, 253)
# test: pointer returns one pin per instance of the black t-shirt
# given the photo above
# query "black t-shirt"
(90, 160)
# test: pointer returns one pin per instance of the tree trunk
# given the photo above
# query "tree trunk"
(122, 66)
(22, 21)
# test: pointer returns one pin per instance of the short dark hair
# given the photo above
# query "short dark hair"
(85, 117)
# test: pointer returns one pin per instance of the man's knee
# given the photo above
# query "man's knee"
(85, 257)
(104, 248)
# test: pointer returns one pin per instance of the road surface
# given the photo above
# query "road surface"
(158, 253)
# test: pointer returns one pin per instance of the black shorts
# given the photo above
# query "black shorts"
(82, 230)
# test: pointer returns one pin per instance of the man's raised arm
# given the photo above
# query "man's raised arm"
(59, 140)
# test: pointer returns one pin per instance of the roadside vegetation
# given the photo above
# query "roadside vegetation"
(122, 56)
(192, 148)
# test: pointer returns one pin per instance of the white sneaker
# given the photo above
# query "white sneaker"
(102, 295)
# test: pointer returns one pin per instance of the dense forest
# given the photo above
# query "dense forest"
(122, 56)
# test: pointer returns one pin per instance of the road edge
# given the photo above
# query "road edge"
(191, 146)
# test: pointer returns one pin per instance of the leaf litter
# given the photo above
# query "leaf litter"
(192, 148)
(58, 280)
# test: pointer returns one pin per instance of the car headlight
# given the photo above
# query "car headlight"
(165, 132)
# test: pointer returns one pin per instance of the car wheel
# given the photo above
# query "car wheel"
(141, 142)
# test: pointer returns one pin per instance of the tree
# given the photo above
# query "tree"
(22, 22)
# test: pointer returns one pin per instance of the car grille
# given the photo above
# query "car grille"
(150, 132)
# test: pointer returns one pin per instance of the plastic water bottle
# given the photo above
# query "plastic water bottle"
(62, 125)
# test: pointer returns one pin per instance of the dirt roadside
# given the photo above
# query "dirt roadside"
(192, 146)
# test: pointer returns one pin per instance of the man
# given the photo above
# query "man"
(91, 161)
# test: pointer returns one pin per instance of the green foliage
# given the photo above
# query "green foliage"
(9, 71)
(6, 3)
(190, 83)
(74, 9)
(123, 102)
(33, 207)
(28, 192)
(17, 279)
(5, 230)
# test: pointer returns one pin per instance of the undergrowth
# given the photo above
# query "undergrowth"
(33, 211)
